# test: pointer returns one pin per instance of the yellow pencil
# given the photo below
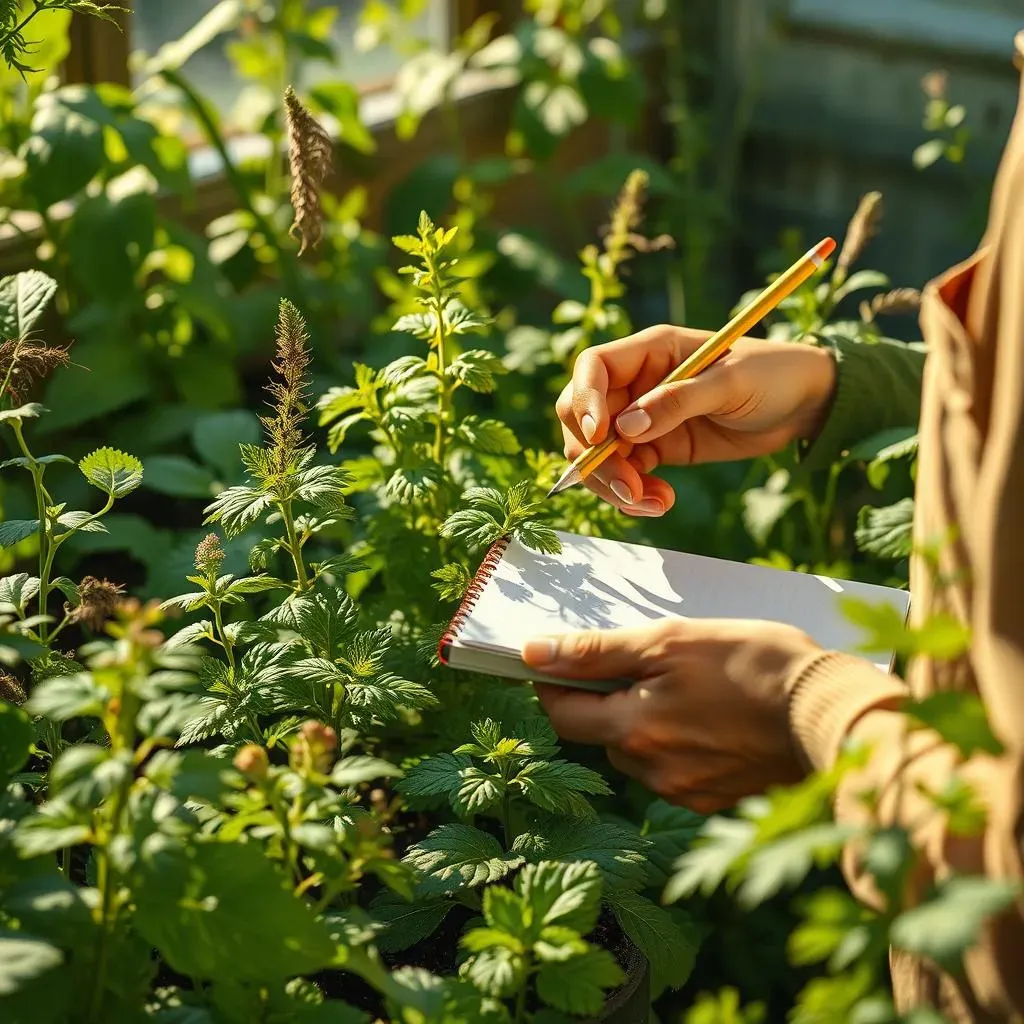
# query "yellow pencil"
(712, 349)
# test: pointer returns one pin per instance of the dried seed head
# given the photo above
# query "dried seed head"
(862, 228)
(288, 391)
(24, 363)
(209, 555)
(309, 158)
(252, 761)
(11, 689)
(894, 303)
(97, 601)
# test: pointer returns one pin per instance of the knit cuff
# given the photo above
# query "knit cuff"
(850, 418)
(828, 693)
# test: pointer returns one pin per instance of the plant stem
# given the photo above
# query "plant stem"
(301, 580)
(45, 555)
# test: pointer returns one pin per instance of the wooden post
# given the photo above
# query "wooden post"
(99, 49)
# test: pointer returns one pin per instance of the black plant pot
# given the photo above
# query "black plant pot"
(631, 1004)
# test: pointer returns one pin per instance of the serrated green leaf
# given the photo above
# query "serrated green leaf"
(16, 738)
(112, 471)
(54, 826)
(477, 370)
(407, 923)
(498, 972)
(578, 985)
(16, 591)
(410, 484)
(474, 527)
(671, 831)
(537, 537)
(620, 854)
(14, 531)
(886, 532)
(453, 580)
(558, 786)
(455, 857)
(434, 776)
(959, 718)
(67, 697)
(478, 791)
(703, 868)
(491, 437)
(671, 951)
(568, 895)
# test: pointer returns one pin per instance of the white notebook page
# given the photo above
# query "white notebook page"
(603, 584)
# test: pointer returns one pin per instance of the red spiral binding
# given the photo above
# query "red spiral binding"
(472, 595)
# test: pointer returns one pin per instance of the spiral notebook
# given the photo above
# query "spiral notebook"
(606, 584)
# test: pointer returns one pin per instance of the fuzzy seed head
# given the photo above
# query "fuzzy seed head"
(862, 228)
(97, 601)
(898, 301)
(252, 761)
(209, 555)
(25, 363)
(315, 747)
(623, 234)
(309, 158)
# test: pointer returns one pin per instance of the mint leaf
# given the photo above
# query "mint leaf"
(561, 894)
(578, 985)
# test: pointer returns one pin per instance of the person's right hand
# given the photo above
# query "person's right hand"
(756, 399)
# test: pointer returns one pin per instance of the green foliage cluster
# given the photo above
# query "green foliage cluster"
(261, 798)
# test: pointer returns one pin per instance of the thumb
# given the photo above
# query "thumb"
(662, 410)
(590, 654)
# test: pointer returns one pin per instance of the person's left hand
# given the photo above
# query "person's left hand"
(706, 720)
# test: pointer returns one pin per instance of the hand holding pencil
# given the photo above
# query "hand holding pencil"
(673, 396)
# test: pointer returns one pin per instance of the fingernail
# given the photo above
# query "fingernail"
(589, 425)
(622, 492)
(540, 652)
(647, 507)
(633, 422)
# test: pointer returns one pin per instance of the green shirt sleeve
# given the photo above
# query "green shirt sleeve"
(878, 387)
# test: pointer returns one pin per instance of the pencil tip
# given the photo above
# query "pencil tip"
(568, 479)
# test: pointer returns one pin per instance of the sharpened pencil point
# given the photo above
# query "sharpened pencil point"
(568, 479)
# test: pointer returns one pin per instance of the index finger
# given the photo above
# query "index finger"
(652, 352)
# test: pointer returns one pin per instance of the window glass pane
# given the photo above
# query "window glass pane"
(156, 22)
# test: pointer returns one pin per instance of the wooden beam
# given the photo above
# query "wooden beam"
(99, 50)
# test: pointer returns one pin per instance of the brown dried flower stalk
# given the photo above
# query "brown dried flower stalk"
(899, 300)
(23, 363)
(209, 555)
(288, 392)
(862, 228)
(309, 157)
(622, 234)
(97, 601)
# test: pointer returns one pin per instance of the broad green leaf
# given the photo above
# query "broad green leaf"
(859, 280)
(14, 531)
(453, 580)
(81, 522)
(16, 591)
(893, 443)
(568, 895)
(941, 636)
(54, 826)
(670, 950)
(474, 527)
(16, 738)
(763, 507)
(352, 771)
(477, 370)
(537, 537)
(946, 926)
(189, 774)
(886, 532)
(620, 854)
(23, 300)
(671, 831)
(67, 697)
(456, 856)
(492, 437)
(408, 922)
(578, 985)
(113, 472)
(24, 958)
(196, 905)
(478, 791)
(30, 411)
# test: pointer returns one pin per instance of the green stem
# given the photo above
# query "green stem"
(294, 546)
(45, 554)
(22, 25)
(229, 653)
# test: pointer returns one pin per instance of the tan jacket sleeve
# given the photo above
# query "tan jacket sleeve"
(835, 697)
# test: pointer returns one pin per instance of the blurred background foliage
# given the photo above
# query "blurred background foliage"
(148, 178)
